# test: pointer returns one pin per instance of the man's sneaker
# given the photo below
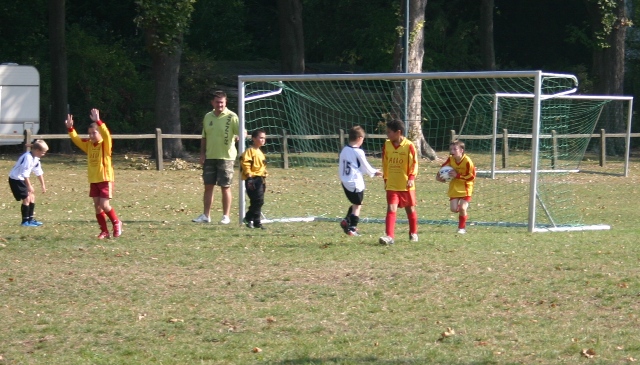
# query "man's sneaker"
(247, 223)
(117, 229)
(345, 226)
(202, 219)
(413, 237)
(36, 223)
(462, 231)
(353, 233)
(28, 224)
(258, 225)
(386, 240)
(225, 220)
(103, 235)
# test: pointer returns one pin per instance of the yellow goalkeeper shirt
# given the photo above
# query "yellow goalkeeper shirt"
(253, 162)
(98, 154)
(399, 165)
(462, 185)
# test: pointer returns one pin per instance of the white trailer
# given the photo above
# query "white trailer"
(19, 102)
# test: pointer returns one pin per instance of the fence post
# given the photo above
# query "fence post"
(27, 140)
(159, 153)
(554, 146)
(285, 150)
(505, 148)
(603, 147)
(452, 136)
(340, 140)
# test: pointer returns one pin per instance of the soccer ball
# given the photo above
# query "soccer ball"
(444, 173)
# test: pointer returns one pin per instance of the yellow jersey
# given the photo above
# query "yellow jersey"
(98, 154)
(399, 165)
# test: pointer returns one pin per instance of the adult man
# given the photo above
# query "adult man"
(217, 155)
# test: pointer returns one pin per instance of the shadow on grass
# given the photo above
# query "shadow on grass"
(372, 360)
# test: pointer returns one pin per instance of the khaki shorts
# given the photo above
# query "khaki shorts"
(218, 172)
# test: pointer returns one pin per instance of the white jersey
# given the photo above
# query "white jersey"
(353, 164)
(25, 165)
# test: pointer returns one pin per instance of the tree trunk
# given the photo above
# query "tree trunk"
(413, 118)
(166, 69)
(59, 86)
(291, 36)
(486, 35)
(608, 69)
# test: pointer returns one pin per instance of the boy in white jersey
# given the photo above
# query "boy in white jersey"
(20, 183)
(353, 164)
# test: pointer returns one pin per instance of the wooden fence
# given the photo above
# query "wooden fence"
(341, 139)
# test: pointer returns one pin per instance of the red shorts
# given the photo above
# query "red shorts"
(402, 198)
(101, 190)
(465, 198)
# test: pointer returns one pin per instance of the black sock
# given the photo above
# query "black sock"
(32, 208)
(24, 212)
(354, 219)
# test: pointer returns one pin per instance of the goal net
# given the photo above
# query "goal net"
(525, 131)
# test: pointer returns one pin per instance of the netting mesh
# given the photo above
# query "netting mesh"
(493, 115)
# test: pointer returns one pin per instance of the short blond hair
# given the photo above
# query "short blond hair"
(40, 145)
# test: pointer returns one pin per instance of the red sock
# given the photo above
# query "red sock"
(102, 221)
(390, 224)
(462, 221)
(112, 215)
(413, 222)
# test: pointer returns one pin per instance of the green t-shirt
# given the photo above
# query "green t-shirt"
(220, 132)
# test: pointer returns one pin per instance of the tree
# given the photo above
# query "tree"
(164, 23)
(486, 35)
(609, 21)
(59, 86)
(291, 36)
(415, 57)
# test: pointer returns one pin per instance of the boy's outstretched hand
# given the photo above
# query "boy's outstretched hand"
(95, 115)
(69, 121)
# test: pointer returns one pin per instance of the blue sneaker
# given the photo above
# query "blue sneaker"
(28, 224)
(35, 222)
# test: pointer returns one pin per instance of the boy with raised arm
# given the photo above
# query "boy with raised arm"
(100, 171)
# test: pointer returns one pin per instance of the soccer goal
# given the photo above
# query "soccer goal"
(527, 133)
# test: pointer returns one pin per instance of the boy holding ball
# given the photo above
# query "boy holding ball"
(462, 177)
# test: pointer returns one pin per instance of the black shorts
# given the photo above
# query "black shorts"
(19, 189)
(354, 197)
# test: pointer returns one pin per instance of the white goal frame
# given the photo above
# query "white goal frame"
(537, 96)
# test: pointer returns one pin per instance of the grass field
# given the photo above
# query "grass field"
(170, 291)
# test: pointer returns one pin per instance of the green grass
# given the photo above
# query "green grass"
(174, 292)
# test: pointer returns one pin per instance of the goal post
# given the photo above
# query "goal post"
(532, 118)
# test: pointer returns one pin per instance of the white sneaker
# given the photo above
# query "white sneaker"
(202, 219)
(225, 220)
(462, 231)
(386, 240)
(413, 237)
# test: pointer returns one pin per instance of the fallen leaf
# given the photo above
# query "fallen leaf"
(256, 350)
(588, 353)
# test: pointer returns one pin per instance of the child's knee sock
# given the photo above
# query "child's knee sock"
(413, 222)
(462, 221)
(353, 220)
(102, 221)
(390, 224)
(24, 212)
(32, 208)
(112, 215)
